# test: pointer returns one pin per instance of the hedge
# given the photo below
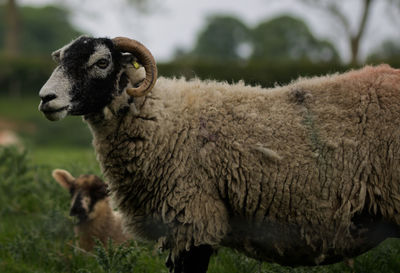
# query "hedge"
(26, 75)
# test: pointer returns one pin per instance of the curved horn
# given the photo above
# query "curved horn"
(145, 58)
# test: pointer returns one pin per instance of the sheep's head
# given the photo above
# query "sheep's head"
(91, 72)
(88, 194)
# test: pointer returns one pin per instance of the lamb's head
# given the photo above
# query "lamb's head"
(88, 193)
(90, 72)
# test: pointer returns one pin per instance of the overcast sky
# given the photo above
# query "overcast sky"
(175, 23)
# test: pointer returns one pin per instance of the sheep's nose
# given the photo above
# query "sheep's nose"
(48, 98)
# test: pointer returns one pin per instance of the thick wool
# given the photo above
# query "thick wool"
(285, 174)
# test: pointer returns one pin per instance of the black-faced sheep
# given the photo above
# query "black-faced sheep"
(90, 204)
(303, 174)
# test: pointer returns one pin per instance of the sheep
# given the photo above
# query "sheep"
(303, 174)
(91, 207)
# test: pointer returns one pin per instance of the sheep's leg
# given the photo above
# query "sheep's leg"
(193, 261)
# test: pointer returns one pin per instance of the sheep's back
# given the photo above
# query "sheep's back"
(295, 162)
(303, 160)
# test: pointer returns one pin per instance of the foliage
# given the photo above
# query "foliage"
(34, 230)
(36, 234)
(336, 10)
(144, 5)
(266, 74)
(43, 29)
(23, 75)
(221, 39)
(286, 37)
(388, 50)
(109, 258)
(129, 257)
(12, 33)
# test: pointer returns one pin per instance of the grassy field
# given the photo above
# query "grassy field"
(36, 233)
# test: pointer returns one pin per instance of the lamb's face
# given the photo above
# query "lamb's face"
(88, 194)
(85, 79)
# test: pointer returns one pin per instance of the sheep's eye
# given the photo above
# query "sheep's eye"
(102, 63)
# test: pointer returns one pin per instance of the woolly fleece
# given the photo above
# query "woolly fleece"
(279, 174)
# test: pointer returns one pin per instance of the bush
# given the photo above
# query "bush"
(23, 75)
(253, 73)
(26, 75)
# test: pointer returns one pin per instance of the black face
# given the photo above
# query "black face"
(89, 93)
(87, 191)
(78, 210)
(85, 80)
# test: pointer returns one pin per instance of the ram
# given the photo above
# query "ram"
(90, 204)
(304, 174)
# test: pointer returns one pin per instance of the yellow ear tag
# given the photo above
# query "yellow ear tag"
(136, 65)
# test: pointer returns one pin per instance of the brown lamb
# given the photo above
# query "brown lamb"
(91, 206)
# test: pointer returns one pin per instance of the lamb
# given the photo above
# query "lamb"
(303, 174)
(91, 206)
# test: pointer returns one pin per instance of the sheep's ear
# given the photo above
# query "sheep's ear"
(133, 69)
(56, 55)
(64, 178)
(128, 59)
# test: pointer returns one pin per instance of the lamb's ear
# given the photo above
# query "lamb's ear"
(64, 178)
(135, 71)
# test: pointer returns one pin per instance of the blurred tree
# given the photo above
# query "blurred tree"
(333, 9)
(42, 29)
(12, 28)
(389, 50)
(289, 38)
(28, 29)
(223, 38)
(141, 5)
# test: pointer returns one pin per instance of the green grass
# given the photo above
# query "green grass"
(82, 159)
(19, 108)
(36, 233)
